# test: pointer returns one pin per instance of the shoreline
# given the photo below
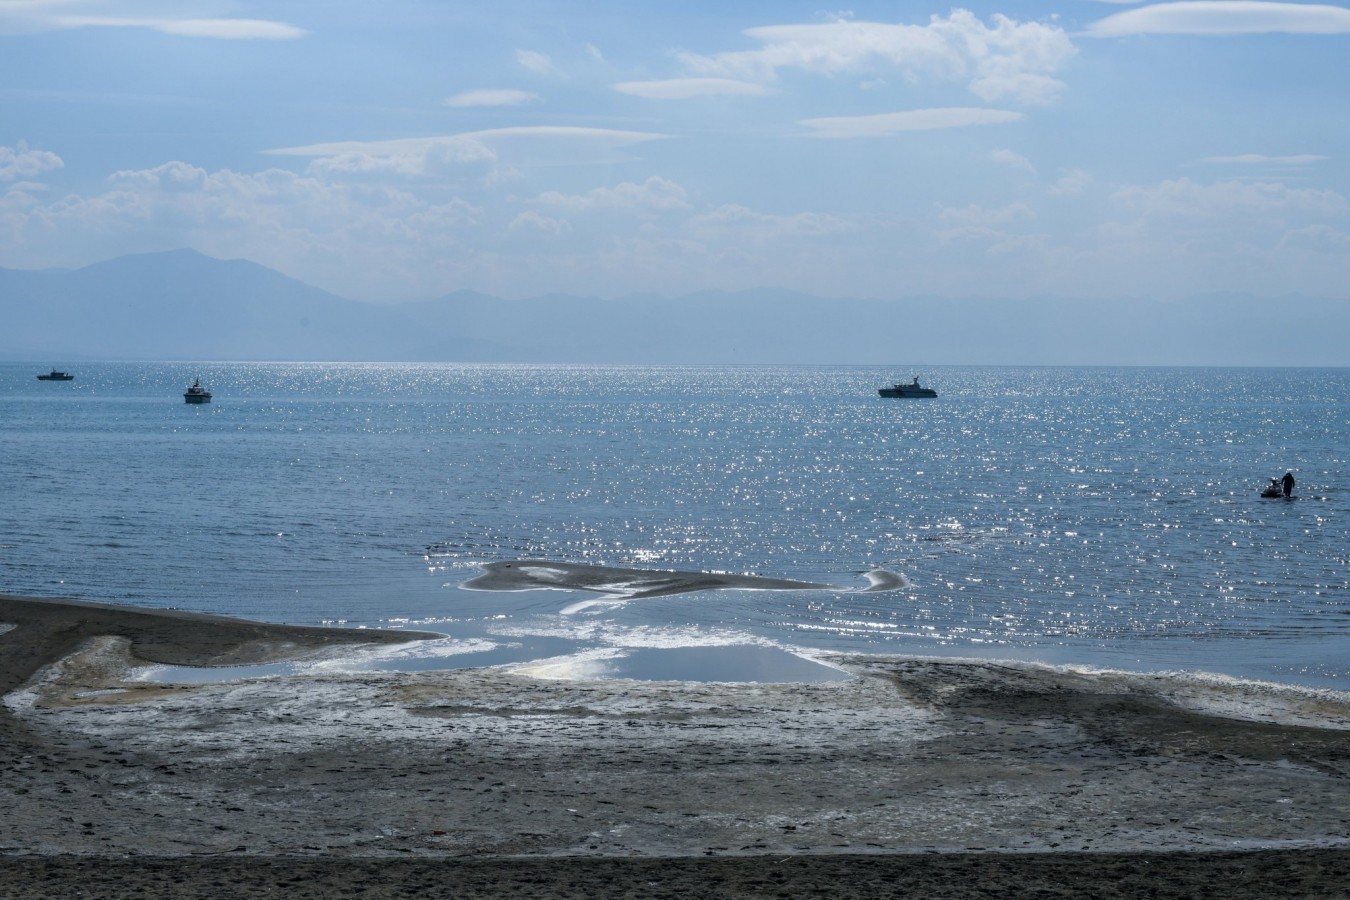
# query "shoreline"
(1256, 875)
(910, 769)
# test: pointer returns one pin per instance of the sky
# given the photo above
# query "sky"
(405, 149)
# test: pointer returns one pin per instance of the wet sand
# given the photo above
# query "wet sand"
(913, 777)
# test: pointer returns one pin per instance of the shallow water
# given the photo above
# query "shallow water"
(1091, 516)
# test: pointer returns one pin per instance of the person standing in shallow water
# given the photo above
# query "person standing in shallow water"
(1288, 483)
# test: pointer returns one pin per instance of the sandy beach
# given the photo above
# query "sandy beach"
(913, 777)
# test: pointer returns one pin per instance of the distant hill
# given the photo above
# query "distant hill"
(183, 305)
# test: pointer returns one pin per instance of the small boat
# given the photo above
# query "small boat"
(55, 375)
(1276, 489)
(197, 393)
(913, 389)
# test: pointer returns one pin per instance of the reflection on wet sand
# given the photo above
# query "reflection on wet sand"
(636, 584)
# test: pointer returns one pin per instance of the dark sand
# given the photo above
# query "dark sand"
(913, 778)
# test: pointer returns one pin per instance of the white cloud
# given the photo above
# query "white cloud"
(492, 97)
(565, 132)
(22, 162)
(172, 176)
(768, 225)
(359, 240)
(371, 240)
(1266, 238)
(1225, 17)
(1014, 160)
(166, 18)
(536, 62)
(1257, 159)
(910, 120)
(1074, 181)
(986, 217)
(524, 145)
(530, 220)
(654, 193)
(228, 29)
(1005, 58)
(1321, 238)
(23, 188)
(409, 158)
(685, 88)
(427, 159)
(1184, 198)
(998, 231)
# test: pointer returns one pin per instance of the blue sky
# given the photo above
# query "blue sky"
(402, 150)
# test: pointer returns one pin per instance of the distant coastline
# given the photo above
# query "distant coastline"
(132, 307)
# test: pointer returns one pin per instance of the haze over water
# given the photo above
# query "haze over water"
(1093, 516)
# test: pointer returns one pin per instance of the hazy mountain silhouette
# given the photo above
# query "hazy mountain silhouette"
(183, 305)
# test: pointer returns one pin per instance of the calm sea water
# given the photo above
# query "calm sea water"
(1099, 516)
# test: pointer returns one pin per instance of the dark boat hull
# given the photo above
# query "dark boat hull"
(908, 392)
(196, 393)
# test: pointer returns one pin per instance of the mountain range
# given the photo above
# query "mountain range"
(182, 305)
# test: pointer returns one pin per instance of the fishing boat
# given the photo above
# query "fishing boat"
(197, 393)
(55, 375)
(913, 389)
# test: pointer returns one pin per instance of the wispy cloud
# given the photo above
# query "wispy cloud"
(1224, 17)
(532, 221)
(225, 29)
(654, 193)
(173, 19)
(1012, 159)
(686, 88)
(1002, 59)
(536, 62)
(325, 230)
(21, 162)
(1226, 199)
(1070, 183)
(564, 132)
(413, 160)
(911, 120)
(520, 146)
(734, 216)
(491, 97)
(974, 216)
(1257, 159)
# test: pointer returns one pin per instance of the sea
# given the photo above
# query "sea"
(1104, 518)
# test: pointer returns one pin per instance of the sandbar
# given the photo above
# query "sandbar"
(638, 584)
(914, 776)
